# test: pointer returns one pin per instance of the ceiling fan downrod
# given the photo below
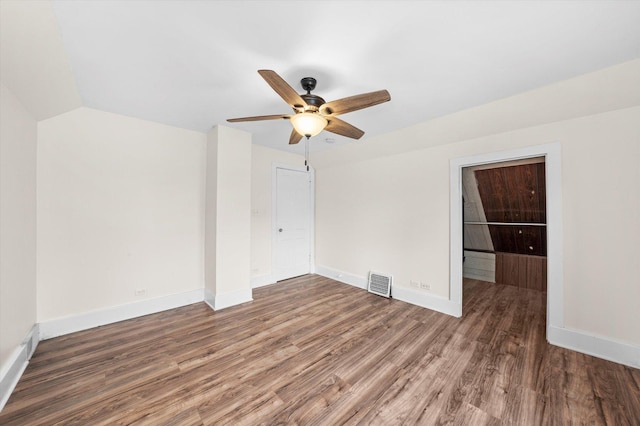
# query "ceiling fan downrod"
(308, 84)
(306, 152)
(314, 102)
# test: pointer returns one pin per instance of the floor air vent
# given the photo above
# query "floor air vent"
(379, 284)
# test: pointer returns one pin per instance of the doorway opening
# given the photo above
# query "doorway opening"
(553, 215)
(504, 227)
(504, 223)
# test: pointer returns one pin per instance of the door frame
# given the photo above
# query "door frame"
(553, 172)
(274, 219)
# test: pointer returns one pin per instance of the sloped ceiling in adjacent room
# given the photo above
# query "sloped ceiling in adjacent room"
(192, 64)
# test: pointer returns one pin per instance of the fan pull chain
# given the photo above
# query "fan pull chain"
(306, 153)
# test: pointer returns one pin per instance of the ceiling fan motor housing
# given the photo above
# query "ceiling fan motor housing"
(313, 101)
(308, 83)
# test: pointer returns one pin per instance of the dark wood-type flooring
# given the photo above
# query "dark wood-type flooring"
(313, 351)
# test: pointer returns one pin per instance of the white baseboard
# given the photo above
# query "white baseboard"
(12, 371)
(226, 300)
(426, 300)
(408, 295)
(343, 277)
(210, 299)
(32, 340)
(600, 347)
(262, 280)
(71, 324)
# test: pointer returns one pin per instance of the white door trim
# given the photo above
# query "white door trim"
(552, 154)
(312, 221)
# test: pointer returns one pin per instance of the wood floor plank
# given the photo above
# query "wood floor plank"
(628, 395)
(311, 350)
(168, 416)
(404, 393)
(527, 407)
(312, 396)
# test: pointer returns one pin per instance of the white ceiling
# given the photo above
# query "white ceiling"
(192, 64)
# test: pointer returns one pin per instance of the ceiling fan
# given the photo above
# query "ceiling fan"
(311, 113)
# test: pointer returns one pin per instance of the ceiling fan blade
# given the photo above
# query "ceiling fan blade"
(354, 103)
(260, 118)
(343, 128)
(295, 137)
(283, 89)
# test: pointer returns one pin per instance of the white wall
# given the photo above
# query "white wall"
(601, 205)
(227, 223)
(388, 215)
(262, 161)
(120, 209)
(17, 224)
(391, 213)
(233, 210)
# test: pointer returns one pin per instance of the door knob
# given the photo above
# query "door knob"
(280, 230)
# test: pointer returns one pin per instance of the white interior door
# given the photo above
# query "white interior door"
(292, 224)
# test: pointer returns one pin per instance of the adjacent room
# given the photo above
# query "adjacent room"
(293, 212)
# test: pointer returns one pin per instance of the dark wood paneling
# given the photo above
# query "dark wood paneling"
(536, 273)
(511, 270)
(530, 190)
(494, 195)
(523, 278)
(534, 240)
(522, 271)
(519, 239)
(499, 268)
(542, 192)
(515, 194)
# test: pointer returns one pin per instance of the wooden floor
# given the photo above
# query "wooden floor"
(313, 351)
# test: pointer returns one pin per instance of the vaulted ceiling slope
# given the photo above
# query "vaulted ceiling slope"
(192, 64)
(33, 60)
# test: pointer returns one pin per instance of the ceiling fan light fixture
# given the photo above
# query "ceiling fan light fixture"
(311, 111)
(308, 123)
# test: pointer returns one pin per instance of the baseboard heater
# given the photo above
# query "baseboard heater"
(379, 284)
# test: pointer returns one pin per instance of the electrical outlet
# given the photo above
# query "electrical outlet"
(425, 286)
(140, 292)
(414, 284)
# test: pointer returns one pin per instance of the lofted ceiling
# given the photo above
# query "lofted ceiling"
(193, 64)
